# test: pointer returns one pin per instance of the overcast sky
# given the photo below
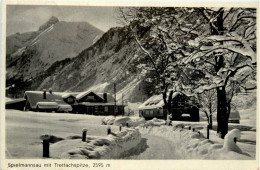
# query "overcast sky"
(21, 18)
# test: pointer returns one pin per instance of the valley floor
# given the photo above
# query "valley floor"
(23, 131)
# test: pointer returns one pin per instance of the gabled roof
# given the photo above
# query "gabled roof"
(110, 98)
(68, 94)
(155, 101)
(85, 93)
(37, 96)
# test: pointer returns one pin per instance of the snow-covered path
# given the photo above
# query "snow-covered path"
(158, 148)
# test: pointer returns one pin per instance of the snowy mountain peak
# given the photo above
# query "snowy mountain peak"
(51, 21)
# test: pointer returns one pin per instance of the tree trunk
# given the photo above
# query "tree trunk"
(222, 115)
(210, 114)
(167, 103)
(210, 121)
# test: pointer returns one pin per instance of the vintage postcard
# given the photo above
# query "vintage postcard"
(129, 85)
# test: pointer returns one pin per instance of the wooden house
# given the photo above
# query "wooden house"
(76, 102)
(182, 108)
(46, 101)
(97, 104)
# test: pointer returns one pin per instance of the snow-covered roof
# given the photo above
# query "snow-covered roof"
(37, 96)
(47, 103)
(67, 94)
(64, 106)
(155, 101)
(82, 94)
(10, 101)
(110, 98)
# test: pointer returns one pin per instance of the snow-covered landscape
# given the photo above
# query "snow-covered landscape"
(131, 83)
(150, 139)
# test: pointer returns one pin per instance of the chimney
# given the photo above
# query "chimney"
(50, 90)
(105, 97)
(44, 93)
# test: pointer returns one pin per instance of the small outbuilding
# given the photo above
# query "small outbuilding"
(182, 108)
(17, 104)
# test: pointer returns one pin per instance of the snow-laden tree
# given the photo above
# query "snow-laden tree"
(158, 33)
(207, 101)
(198, 49)
(228, 55)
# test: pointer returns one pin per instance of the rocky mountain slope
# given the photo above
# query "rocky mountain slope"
(30, 54)
(110, 60)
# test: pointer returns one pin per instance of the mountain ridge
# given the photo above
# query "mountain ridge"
(43, 48)
(109, 60)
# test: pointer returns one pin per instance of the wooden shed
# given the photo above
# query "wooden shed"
(17, 104)
(182, 108)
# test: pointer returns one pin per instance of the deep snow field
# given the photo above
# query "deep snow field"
(149, 140)
(23, 130)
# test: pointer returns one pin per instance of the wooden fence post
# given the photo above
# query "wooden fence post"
(108, 130)
(208, 131)
(84, 134)
(46, 146)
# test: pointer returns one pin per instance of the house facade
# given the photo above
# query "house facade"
(97, 104)
(182, 108)
(82, 102)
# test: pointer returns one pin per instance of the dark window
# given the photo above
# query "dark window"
(116, 109)
(161, 111)
(96, 108)
(70, 100)
(90, 98)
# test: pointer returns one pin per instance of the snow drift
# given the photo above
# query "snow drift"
(114, 146)
(193, 145)
(123, 121)
(132, 121)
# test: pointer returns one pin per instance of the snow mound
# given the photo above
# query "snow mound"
(229, 143)
(155, 122)
(108, 120)
(193, 145)
(196, 146)
(131, 121)
(114, 146)
(134, 122)
(121, 121)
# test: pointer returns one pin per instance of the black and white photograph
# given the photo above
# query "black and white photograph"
(129, 83)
